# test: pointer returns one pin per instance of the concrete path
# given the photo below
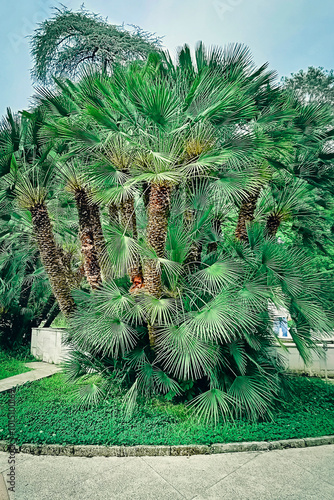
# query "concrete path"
(294, 474)
(39, 370)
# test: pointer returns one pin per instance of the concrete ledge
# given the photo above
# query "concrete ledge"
(145, 450)
(235, 447)
(152, 451)
(318, 441)
(187, 450)
(292, 443)
(97, 451)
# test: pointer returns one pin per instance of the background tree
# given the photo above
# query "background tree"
(63, 44)
(313, 85)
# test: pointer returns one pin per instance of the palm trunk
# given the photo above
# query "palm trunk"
(52, 315)
(21, 324)
(44, 312)
(26, 287)
(99, 241)
(213, 246)
(66, 259)
(91, 262)
(273, 223)
(50, 258)
(128, 217)
(246, 215)
(158, 212)
(113, 213)
(129, 223)
(146, 193)
(194, 256)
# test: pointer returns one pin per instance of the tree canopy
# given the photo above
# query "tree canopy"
(63, 44)
(315, 84)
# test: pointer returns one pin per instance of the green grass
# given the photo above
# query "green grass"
(46, 413)
(12, 365)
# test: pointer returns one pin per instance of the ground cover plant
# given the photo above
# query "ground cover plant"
(11, 365)
(47, 413)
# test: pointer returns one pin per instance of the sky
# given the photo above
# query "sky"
(289, 34)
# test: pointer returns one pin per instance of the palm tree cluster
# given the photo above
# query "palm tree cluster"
(155, 194)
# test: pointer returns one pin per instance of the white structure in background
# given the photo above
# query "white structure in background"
(47, 344)
(280, 318)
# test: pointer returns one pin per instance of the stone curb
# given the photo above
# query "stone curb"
(151, 451)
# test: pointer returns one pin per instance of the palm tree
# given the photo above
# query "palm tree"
(214, 328)
(177, 127)
(23, 282)
(90, 230)
(198, 145)
(27, 179)
(32, 197)
(285, 199)
(311, 130)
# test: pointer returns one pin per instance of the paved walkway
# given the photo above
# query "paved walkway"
(39, 370)
(294, 474)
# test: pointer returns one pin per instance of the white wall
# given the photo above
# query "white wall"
(319, 365)
(46, 344)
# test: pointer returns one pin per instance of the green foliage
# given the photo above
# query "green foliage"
(46, 413)
(25, 296)
(223, 347)
(315, 84)
(63, 44)
(174, 149)
(213, 129)
(11, 365)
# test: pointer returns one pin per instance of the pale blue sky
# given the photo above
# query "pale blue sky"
(290, 34)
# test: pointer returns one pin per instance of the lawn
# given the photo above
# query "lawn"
(12, 365)
(46, 413)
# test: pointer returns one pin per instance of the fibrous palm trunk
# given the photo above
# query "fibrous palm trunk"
(50, 258)
(158, 212)
(27, 286)
(272, 225)
(194, 257)
(113, 213)
(128, 216)
(74, 278)
(246, 215)
(44, 311)
(129, 223)
(21, 322)
(99, 241)
(146, 193)
(91, 262)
